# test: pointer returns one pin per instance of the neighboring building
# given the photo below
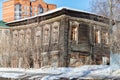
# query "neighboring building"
(59, 38)
(18, 9)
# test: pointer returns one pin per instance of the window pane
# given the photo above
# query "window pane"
(40, 9)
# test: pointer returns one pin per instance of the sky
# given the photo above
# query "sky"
(83, 5)
(77, 4)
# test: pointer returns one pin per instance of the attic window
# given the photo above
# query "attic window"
(74, 34)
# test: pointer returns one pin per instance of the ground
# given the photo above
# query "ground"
(51, 73)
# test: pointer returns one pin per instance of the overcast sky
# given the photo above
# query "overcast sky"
(77, 4)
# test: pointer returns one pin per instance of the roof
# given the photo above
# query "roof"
(61, 10)
(3, 24)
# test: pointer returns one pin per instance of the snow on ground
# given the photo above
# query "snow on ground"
(50, 73)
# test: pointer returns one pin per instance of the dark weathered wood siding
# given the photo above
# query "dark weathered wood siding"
(31, 43)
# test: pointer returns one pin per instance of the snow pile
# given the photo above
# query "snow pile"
(11, 75)
(84, 72)
(115, 60)
(80, 72)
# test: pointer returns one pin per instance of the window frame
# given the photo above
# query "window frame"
(18, 12)
(97, 35)
(74, 24)
(40, 9)
(55, 32)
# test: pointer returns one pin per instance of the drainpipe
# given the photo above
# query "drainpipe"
(110, 26)
(30, 8)
(47, 8)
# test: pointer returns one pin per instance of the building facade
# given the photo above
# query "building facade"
(19, 9)
(60, 38)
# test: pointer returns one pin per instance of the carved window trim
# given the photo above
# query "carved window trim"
(15, 37)
(106, 38)
(28, 36)
(46, 34)
(55, 32)
(74, 31)
(38, 32)
(38, 35)
(21, 37)
(97, 34)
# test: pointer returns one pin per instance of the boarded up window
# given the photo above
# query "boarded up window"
(74, 34)
(83, 33)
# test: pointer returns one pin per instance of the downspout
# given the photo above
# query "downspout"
(47, 7)
(30, 8)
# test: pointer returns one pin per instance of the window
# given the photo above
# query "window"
(74, 34)
(105, 38)
(21, 38)
(46, 34)
(15, 37)
(105, 60)
(83, 33)
(26, 13)
(97, 36)
(28, 36)
(18, 7)
(38, 36)
(25, 8)
(17, 11)
(40, 9)
(55, 32)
